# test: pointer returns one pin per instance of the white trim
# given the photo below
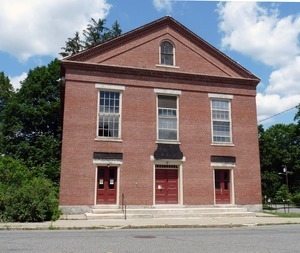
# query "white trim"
(222, 96)
(169, 162)
(96, 185)
(180, 190)
(107, 139)
(163, 161)
(118, 185)
(228, 144)
(167, 91)
(225, 165)
(109, 87)
(167, 66)
(154, 185)
(232, 195)
(167, 142)
(99, 162)
(214, 185)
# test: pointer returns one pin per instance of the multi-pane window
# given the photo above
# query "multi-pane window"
(221, 121)
(167, 118)
(109, 114)
(166, 53)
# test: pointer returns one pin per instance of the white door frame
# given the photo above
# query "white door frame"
(180, 181)
(108, 163)
(231, 182)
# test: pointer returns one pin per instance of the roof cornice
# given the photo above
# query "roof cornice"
(93, 67)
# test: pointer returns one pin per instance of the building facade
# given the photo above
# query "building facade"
(158, 117)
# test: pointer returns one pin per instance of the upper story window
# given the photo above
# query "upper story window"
(167, 53)
(109, 114)
(167, 118)
(221, 120)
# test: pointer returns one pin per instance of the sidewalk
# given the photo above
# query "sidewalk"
(77, 222)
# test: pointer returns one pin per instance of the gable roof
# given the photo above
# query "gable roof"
(86, 55)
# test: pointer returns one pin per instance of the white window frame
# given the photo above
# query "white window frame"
(166, 92)
(109, 88)
(163, 64)
(226, 98)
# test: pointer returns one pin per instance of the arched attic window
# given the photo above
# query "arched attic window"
(167, 53)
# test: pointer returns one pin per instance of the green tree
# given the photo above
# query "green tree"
(73, 46)
(115, 31)
(6, 94)
(279, 146)
(95, 33)
(6, 91)
(297, 116)
(31, 122)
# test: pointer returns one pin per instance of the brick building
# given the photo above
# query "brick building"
(161, 117)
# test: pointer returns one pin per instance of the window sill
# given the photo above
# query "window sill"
(167, 66)
(167, 142)
(222, 144)
(108, 140)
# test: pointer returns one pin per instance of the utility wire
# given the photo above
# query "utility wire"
(272, 116)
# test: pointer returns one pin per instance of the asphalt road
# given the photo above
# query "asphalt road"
(251, 239)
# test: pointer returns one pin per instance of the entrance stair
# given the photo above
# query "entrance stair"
(167, 212)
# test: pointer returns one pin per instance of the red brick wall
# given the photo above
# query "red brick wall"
(144, 53)
(139, 137)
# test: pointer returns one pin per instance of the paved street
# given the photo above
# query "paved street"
(275, 239)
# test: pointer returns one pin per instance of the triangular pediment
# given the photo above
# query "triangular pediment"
(140, 49)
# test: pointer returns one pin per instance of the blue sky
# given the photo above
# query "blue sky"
(264, 37)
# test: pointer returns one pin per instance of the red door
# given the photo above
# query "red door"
(166, 186)
(222, 186)
(107, 185)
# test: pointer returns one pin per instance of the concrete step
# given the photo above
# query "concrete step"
(106, 211)
(171, 213)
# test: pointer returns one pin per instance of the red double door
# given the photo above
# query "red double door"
(107, 185)
(166, 186)
(222, 186)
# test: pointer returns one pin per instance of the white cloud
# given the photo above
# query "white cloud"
(272, 104)
(162, 4)
(15, 80)
(35, 27)
(260, 33)
(286, 80)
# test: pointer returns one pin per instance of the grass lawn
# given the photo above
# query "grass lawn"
(286, 215)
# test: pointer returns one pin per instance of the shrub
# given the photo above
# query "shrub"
(296, 199)
(24, 197)
(283, 194)
(36, 200)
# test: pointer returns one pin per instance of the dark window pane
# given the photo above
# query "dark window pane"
(167, 101)
(167, 55)
(226, 185)
(100, 178)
